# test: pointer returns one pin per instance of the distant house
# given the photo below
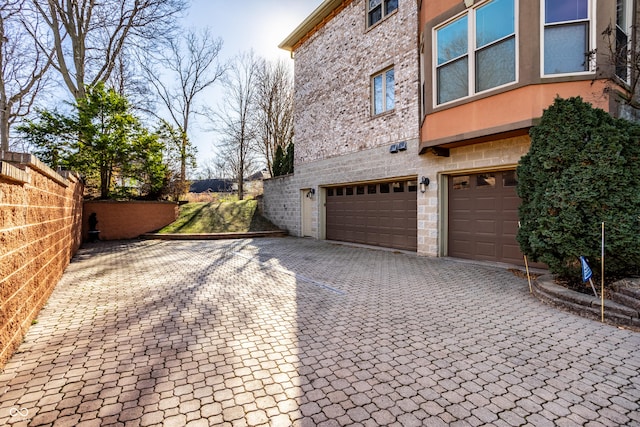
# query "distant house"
(211, 186)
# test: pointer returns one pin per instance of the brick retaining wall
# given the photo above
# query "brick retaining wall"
(40, 231)
(130, 219)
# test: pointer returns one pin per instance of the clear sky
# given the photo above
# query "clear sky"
(260, 25)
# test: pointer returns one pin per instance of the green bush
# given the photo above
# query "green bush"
(583, 168)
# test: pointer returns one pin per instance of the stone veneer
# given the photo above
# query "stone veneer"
(338, 140)
(333, 71)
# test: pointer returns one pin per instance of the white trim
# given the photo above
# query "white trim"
(591, 37)
(472, 51)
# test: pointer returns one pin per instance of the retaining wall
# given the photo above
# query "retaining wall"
(128, 220)
(40, 231)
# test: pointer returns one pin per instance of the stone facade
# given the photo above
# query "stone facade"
(333, 71)
(339, 141)
(40, 223)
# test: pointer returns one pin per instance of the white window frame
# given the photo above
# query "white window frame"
(628, 28)
(383, 74)
(383, 12)
(591, 37)
(471, 52)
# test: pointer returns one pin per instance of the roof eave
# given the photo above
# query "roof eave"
(316, 17)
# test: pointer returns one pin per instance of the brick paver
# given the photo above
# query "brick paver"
(303, 332)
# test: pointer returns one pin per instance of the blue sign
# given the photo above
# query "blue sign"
(586, 270)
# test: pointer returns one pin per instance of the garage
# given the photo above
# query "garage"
(483, 217)
(380, 214)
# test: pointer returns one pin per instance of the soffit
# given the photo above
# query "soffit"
(323, 13)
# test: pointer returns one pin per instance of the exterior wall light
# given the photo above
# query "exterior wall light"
(311, 193)
(424, 183)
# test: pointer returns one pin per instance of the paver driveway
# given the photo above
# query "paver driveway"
(302, 332)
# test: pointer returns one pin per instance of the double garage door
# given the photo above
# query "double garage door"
(379, 214)
(483, 217)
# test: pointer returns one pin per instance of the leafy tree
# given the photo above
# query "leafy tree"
(283, 161)
(287, 164)
(278, 158)
(583, 169)
(179, 154)
(101, 141)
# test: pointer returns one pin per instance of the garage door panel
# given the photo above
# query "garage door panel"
(380, 216)
(483, 217)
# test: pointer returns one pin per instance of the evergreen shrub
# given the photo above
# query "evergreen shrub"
(583, 168)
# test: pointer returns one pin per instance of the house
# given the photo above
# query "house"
(411, 116)
(210, 186)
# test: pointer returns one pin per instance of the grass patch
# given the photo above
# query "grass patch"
(221, 216)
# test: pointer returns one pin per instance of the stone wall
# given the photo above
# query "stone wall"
(128, 219)
(333, 71)
(40, 231)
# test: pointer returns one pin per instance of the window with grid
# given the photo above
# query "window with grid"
(566, 36)
(476, 51)
(379, 9)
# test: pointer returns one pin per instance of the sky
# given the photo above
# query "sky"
(243, 25)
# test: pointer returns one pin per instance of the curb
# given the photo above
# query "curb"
(585, 305)
(213, 236)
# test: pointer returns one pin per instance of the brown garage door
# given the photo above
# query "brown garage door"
(380, 214)
(483, 217)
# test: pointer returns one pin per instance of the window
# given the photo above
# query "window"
(476, 51)
(398, 187)
(383, 91)
(378, 9)
(566, 36)
(623, 33)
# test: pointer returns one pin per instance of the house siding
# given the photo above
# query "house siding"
(332, 84)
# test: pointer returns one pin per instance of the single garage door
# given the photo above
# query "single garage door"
(380, 214)
(483, 217)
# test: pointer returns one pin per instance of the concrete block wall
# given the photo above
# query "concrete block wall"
(40, 231)
(128, 219)
(282, 199)
(498, 154)
(281, 203)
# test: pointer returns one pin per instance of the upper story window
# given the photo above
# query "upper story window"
(476, 51)
(623, 35)
(566, 37)
(378, 9)
(383, 91)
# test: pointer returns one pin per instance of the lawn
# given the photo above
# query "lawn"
(220, 216)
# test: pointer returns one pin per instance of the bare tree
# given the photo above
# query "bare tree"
(622, 58)
(88, 35)
(23, 65)
(274, 98)
(192, 65)
(235, 120)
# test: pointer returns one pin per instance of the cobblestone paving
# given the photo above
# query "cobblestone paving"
(302, 332)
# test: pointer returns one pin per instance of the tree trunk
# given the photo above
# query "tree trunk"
(4, 129)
